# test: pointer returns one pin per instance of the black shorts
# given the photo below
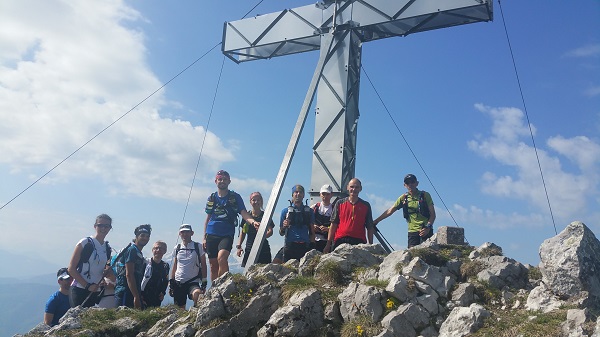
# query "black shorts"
(264, 257)
(214, 244)
(293, 250)
(414, 239)
(348, 240)
(79, 296)
(183, 291)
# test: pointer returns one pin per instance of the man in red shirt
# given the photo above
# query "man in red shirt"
(350, 219)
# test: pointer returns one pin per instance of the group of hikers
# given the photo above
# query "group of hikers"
(96, 278)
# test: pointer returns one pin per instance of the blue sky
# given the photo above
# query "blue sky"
(68, 69)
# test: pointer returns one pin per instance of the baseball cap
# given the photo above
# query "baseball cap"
(222, 173)
(62, 274)
(410, 178)
(326, 189)
(185, 227)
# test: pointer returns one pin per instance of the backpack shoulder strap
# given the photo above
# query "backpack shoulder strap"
(197, 249)
(108, 251)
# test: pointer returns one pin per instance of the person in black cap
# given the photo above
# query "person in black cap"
(222, 208)
(297, 226)
(58, 303)
(128, 290)
(418, 210)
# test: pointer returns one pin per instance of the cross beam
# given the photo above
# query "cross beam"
(338, 28)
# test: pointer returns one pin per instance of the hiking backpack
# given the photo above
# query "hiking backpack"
(423, 208)
(117, 264)
(197, 249)
(230, 203)
(86, 253)
(305, 212)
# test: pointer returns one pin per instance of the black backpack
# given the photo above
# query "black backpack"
(230, 205)
(87, 251)
(423, 207)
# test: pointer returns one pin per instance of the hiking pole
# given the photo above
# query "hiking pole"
(383, 241)
(285, 232)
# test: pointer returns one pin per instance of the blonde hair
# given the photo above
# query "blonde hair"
(161, 244)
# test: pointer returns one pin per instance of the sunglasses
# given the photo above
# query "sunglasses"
(101, 225)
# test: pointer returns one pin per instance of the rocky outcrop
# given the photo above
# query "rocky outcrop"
(425, 291)
(570, 265)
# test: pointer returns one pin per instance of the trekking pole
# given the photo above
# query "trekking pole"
(285, 232)
(383, 241)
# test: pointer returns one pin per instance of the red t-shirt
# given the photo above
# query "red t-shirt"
(352, 219)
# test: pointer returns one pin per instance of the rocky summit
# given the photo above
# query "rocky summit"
(440, 288)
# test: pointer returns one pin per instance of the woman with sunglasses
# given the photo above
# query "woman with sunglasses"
(87, 265)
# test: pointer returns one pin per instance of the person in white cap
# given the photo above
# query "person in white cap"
(189, 266)
(322, 212)
(58, 303)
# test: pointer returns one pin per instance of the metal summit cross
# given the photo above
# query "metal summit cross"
(338, 29)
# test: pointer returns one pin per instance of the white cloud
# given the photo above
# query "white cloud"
(570, 193)
(589, 50)
(592, 91)
(68, 70)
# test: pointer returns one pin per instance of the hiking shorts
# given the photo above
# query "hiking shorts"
(414, 239)
(264, 257)
(183, 291)
(214, 244)
(79, 296)
(348, 240)
(293, 250)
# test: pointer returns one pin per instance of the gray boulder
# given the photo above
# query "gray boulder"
(570, 264)
(359, 299)
(463, 321)
(302, 316)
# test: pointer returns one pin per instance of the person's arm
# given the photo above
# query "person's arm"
(429, 226)
(270, 229)
(205, 227)
(330, 237)
(130, 276)
(384, 215)
(73, 269)
(203, 266)
(240, 241)
(73, 265)
(248, 218)
(174, 266)
(369, 224)
(164, 282)
(48, 317)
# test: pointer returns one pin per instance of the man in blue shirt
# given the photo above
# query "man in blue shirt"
(128, 290)
(58, 303)
(297, 226)
(222, 208)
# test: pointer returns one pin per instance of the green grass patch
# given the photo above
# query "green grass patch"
(430, 256)
(376, 283)
(330, 273)
(470, 269)
(360, 326)
(513, 323)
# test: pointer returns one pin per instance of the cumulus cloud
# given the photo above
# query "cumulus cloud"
(571, 192)
(70, 69)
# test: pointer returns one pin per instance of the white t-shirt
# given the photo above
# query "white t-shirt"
(92, 270)
(323, 210)
(188, 265)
